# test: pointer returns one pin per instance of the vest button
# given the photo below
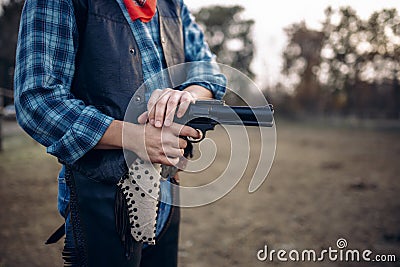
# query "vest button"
(163, 40)
(132, 51)
(137, 98)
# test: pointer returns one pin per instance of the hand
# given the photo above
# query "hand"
(162, 106)
(158, 145)
(112, 138)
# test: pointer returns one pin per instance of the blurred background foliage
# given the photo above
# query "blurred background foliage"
(229, 36)
(350, 67)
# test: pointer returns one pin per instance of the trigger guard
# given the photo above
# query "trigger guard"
(194, 140)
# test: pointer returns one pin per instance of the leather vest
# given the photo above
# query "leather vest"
(109, 70)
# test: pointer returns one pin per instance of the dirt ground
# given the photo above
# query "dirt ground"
(326, 183)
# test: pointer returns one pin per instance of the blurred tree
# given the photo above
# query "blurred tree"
(360, 61)
(338, 70)
(300, 60)
(9, 21)
(228, 35)
(351, 66)
(384, 56)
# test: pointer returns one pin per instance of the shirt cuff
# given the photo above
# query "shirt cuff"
(217, 90)
(83, 135)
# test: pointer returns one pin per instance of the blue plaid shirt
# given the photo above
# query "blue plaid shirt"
(46, 50)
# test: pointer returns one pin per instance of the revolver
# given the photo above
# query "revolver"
(204, 115)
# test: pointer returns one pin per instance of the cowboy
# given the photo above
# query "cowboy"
(79, 64)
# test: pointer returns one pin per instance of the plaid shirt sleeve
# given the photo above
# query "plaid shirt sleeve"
(205, 72)
(45, 107)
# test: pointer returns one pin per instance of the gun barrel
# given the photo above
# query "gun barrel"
(215, 112)
(242, 115)
(205, 114)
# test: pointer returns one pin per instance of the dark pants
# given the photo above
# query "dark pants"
(165, 252)
(95, 241)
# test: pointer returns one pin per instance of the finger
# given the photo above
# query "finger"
(179, 143)
(160, 109)
(172, 140)
(168, 161)
(186, 99)
(189, 132)
(151, 104)
(182, 143)
(175, 129)
(172, 104)
(142, 119)
(173, 152)
(182, 130)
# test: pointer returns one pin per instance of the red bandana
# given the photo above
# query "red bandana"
(141, 9)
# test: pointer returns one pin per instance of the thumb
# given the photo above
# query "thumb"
(142, 119)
